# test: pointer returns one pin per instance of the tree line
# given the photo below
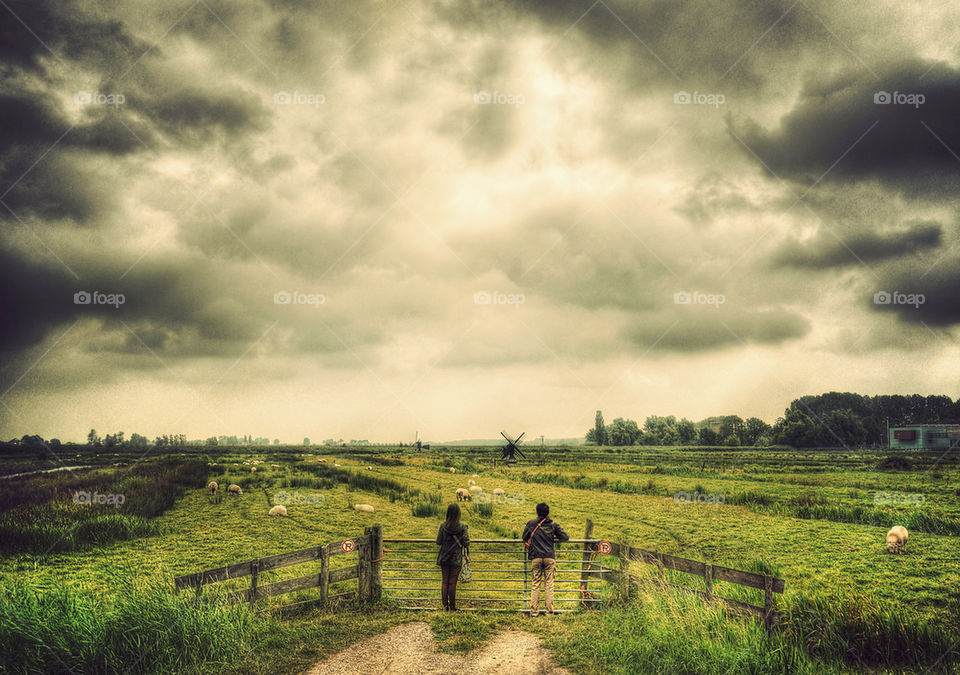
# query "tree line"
(833, 419)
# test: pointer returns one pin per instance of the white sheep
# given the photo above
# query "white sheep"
(369, 468)
(463, 495)
(475, 489)
(366, 508)
(278, 510)
(323, 461)
(213, 487)
(234, 489)
(475, 476)
(498, 491)
(471, 482)
(897, 539)
(452, 470)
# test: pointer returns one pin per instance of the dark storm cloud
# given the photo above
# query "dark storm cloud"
(707, 329)
(697, 39)
(198, 115)
(830, 251)
(32, 31)
(940, 288)
(859, 128)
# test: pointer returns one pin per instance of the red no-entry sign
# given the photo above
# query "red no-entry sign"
(604, 547)
(348, 545)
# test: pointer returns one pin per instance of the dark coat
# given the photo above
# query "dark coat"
(541, 545)
(450, 553)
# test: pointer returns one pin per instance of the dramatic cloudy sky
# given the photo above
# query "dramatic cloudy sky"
(393, 164)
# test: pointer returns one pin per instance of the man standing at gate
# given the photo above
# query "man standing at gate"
(539, 536)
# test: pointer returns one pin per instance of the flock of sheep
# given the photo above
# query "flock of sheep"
(896, 538)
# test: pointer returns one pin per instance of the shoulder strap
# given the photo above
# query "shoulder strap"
(537, 528)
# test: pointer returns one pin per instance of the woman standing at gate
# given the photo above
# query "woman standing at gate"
(453, 540)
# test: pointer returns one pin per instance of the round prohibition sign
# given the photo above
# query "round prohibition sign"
(604, 547)
(348, 545)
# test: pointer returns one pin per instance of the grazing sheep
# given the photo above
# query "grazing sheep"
(463, 495)
(475, 476)
(369, 468)
(213, 487)
(278, 510)
(234, 489)
(366, 508)
(475, 489)
(498, 491)
(471, 482)
(323, 461)
(452, 470)
(897, 539)
(335, 464)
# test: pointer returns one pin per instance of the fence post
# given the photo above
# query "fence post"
(254, 574)
(585, 561)
(324, 574)
(708, 579)
(624, 555)
(363, 567)
(768, 601)
(376, 572)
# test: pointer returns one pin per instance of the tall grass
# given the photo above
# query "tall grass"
(140, 628)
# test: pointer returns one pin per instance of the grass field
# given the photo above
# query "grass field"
(815, 518)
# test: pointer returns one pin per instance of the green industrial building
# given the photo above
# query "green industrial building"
(924, 437)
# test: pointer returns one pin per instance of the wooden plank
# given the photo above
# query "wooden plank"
(363, 569)
(292, 558)
(708, 580)
(736, 605)
(746, 578)
(277, 588)
(335, 547)
(254, 577)
(344, 573)
(667, 561)
(213, 575)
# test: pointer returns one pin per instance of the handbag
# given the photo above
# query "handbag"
(466, 574)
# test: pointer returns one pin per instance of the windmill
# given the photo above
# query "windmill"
(510, 450)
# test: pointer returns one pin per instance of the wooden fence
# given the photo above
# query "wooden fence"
(586, 570)
(366, 571)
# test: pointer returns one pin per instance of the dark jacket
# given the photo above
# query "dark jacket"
(541, 545)
(450, 552)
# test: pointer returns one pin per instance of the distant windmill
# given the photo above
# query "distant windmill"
(510, 450)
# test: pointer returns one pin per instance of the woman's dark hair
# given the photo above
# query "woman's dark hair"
(453, 517)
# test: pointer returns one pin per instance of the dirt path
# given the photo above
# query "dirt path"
(410, 648)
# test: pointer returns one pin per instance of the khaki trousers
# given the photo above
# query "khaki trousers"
(544, 570)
